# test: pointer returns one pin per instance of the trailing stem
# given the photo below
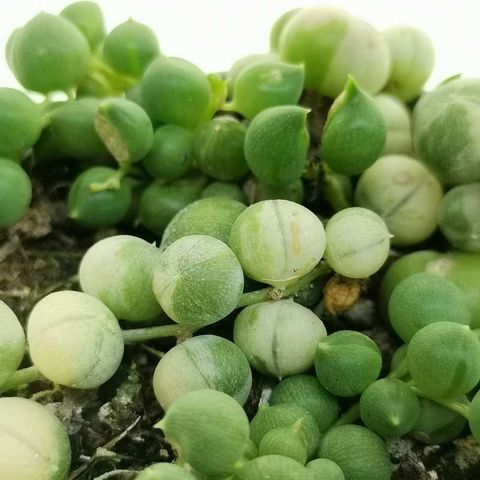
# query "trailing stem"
(21, 377)
(274, 294)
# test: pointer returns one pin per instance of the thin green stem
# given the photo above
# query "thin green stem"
(100, 80)
(151, 333)
(228, 107)
(21, 377)
(218, 95)
(350, 416)
(101, 67)
(274, 294)
(263, 295)
(460, 408)
(113, 183)
(71, 94)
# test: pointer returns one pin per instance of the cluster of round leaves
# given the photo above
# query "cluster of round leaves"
(165, 124)
(196, 279)
(143, 129)
(82, 332)
(137, 106)
(431, 302)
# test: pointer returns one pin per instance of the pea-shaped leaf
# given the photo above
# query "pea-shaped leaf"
(74, 339)
(412, 59)
(358, 242)
(389, 407)
(12, 343)
(397, 122)
(206, 361)
(354, 135)
(20, 123)
(130, 47)
(458, 267)
(49, 53)
(224, 190)
(278, 467)
(123, 283)
(360, 453)
(273, 241)
(267, 84)
(334, 44)
(98, 209)
(198, 280)
(88, 17)
(73, 130)
(459, 218)
(278, 338)
(474, 417)
(208, 216)
(161, 201)
(285, 415)
(278, 28)
(405, 194)
(305, 391)
(209, 429)
(258, 191)
(176, 92)
(444, 359)
(425, 298)
(444, 122)
(286, 441)
(244, 62)
(324, 469)
(34, 442)
(276, 144)
(15, 192)
(437, 424)
(218, 148)
(347, 362)
(171, 155)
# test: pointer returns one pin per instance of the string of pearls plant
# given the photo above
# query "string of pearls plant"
(216, 169)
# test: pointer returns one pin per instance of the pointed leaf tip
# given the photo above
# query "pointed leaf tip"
(161, 424)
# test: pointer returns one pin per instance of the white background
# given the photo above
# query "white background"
(214, 33)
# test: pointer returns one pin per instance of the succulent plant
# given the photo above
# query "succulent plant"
(209, 430)
(206, 361)
(74, 339)
(405, 194)
(12, 343)
(360, 453)
(360, 255)
(265, 231)
(278, 338)
(34, 443)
